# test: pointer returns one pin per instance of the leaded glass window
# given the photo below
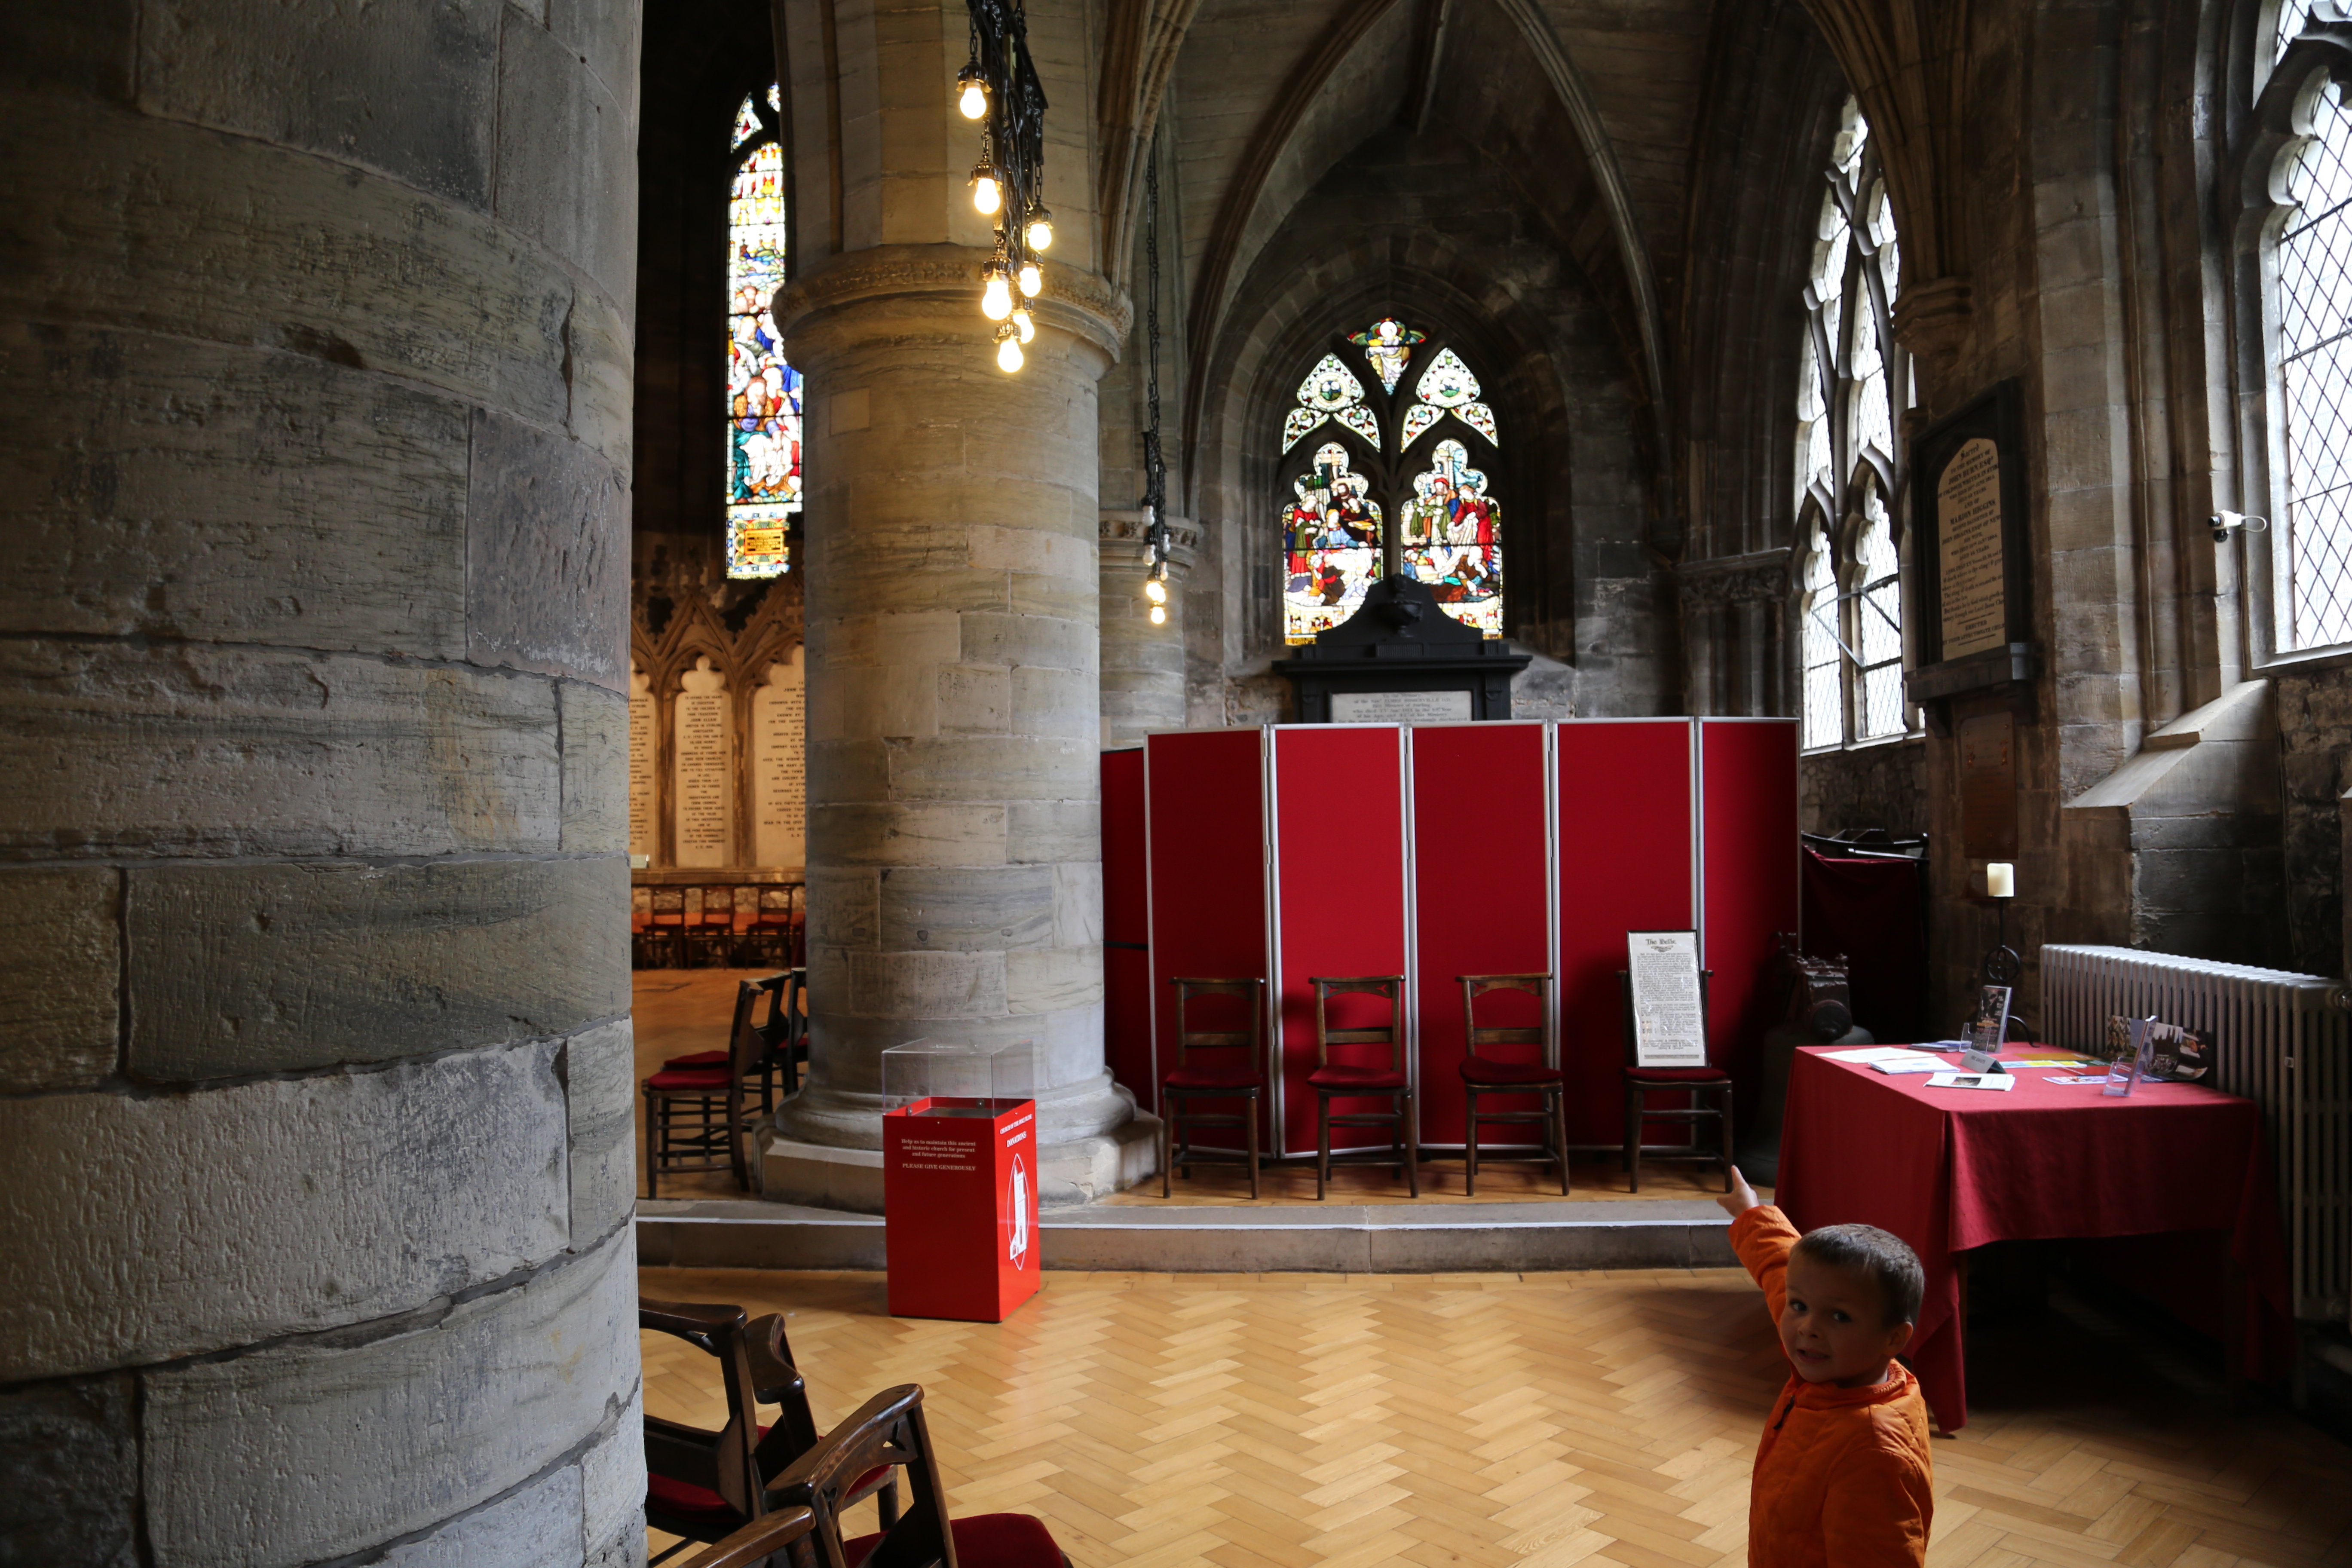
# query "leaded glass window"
(1404, 434)
(1853, 380)
(2312, 550)
(763, 392)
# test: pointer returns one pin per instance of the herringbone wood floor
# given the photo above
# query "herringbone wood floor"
(1278, 1421)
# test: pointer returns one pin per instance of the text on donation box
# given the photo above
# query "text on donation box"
(959, 1209)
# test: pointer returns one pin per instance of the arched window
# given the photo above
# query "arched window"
(1411, 455)
(2311, 548)
(763, 392)
(1853, 380)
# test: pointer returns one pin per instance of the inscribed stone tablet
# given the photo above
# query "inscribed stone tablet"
(705, 790)
(1970, 558)
(779, 767)
(641, 764)
(1399, 707)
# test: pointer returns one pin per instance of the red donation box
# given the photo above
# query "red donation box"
(960, 1179)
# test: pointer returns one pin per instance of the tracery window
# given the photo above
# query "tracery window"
(2311, 547)
(763, 392)
(1852, 379)
(1409, 454)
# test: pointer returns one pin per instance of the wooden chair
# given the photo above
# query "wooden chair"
(702, 1485)
(889, 1431)
(763, 1541)
(1221, 1078)
(1702, 1084)
(1393, 1083)
(756, 1053)
(664, 938)
(1484, 1072)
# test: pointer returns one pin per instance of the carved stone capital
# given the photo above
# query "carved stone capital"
(1126, 539)
(936, 289)
(1761, 577)
(1932, 318)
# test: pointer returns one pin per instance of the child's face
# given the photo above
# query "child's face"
(1835, 1326)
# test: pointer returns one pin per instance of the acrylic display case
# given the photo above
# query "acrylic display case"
(959, 1078)
(960, 1178)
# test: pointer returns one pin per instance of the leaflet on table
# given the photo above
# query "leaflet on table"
(1868, 1054)
(1995, 1081)
(2078, 1082)
(1898, 1065)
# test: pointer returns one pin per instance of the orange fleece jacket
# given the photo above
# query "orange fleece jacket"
(1842, 1476)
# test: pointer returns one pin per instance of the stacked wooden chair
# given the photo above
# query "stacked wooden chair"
(1709, 1087)
(704, 1486)
(1389, 1081)
(699, 1107)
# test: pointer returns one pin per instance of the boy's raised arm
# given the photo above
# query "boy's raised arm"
(1763, 1238)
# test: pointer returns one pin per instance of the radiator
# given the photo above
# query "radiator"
(2281, 1040)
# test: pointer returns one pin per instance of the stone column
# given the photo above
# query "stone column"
(1142, 664)
(954, 849)
(315, 1076)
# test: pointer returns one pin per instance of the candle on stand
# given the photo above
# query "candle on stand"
(2000, 880)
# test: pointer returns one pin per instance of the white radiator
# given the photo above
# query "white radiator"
(2281, 1040)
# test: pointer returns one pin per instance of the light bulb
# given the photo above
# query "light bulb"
(1155, 590)
(1008, 353)
(996, 299)
(973, 99)
(1041, 229)
(1031, 278)
(985, 197)
(1159, 615)
(1028, 328)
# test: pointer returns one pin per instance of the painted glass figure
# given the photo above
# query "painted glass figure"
(1452, 538)
(763, 392)
(1331, 541)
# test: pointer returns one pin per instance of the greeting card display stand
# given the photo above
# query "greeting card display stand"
(960, 1179)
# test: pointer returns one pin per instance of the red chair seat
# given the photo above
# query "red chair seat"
(1357, 1080)
(1214, 1077)
(714, 1078)
(1488, 1073)
(984, 1541)
(696, 1059)
(1676, 1075)
(684, 1500)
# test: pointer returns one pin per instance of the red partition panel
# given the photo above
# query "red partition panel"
(1204, 795)
(1338, 836)
(1627, 862)
(1482, 898)
(1748, 877)
(1126, 926)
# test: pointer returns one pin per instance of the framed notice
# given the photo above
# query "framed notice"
(1669, 1021)
(1968, 550)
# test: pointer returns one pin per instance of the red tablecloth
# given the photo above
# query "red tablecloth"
(1951, 1169)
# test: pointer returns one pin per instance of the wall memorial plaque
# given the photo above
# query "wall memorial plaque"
(1401, 708)
(1988, 786)
(779, 767)
(1968, 520)
(705, 787)
(641, 764)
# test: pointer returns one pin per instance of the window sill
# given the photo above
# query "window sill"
(1873, 743)
(2315, 661)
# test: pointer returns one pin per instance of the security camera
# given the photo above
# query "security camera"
(2225, 523)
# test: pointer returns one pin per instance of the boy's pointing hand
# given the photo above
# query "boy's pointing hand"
(1740, 1199)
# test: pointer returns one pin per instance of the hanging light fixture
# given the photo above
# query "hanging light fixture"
(1000, 88)
(1155, 461)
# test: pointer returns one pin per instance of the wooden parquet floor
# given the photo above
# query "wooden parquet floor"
(1278, 1421)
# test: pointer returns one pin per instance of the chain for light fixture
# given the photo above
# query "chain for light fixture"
(1155, 462)
(999, 87)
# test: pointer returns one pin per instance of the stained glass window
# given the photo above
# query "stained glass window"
(1331, 543)
(1853, 378)
(2312, 553)
(763, 392)
(1388, 345)
(1452, 538)
(1448, 533)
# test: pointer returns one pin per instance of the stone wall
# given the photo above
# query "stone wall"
(1881, 785)
(2314, 729)
(315, 1149)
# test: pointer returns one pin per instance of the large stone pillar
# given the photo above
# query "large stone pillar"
(315, 1177)
(954, 849)
(1142, 664)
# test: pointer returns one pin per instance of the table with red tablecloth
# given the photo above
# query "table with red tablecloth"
(1951, 1169)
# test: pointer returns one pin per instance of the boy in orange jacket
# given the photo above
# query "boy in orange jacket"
(1842, 1475)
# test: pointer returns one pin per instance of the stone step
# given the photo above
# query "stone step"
(1387, 1238)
